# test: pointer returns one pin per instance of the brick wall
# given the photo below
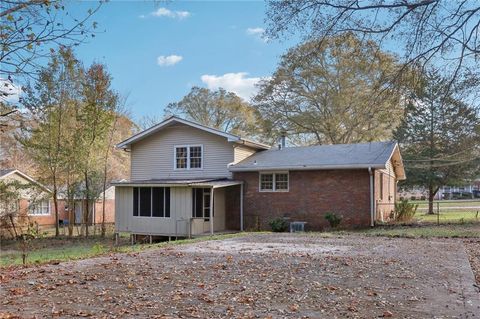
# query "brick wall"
(109, 211)
(311, 195)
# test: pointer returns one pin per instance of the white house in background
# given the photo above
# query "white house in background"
(180, 181)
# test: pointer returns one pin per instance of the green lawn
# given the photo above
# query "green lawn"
(448, 203)
(47, 250)
(449, 216)
(471, 230)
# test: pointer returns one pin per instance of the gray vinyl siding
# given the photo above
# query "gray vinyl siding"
(180, 214)
(153, 157)
(241, 152)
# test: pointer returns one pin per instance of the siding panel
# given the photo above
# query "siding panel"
(153, 158)
(242, 152)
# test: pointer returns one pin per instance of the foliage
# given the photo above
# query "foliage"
(439, 135)
(74, 111)
(11, 192)
(405, 211)
(435, 31)
(219, 109)
(278, 225)
(30, 28)
(340, 90)
(333, 219)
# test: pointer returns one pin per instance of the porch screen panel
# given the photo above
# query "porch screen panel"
(167, 201)
(158, 201)
(135, 201)
(197, 202)
(145, 201)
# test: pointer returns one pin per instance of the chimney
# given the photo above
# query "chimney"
(283, 135)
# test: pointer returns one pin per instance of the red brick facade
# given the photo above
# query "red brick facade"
(311, 195)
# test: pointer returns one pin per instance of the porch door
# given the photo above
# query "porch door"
(201, 203)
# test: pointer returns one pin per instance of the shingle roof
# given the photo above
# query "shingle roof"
(6, 171)
(215, 182)
(339, 156)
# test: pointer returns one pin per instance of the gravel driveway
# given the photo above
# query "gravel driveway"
(255, 276)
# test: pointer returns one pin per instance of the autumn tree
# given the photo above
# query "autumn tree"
(47, 101)
(439, 136)
(219, 109)
(29, 29)
(423, 31)
(97, 115)
(341, 90)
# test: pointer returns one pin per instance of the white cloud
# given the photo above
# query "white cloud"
(169, 60)
(9, 92)
(256, 31)
(238, 83)
(164, 12)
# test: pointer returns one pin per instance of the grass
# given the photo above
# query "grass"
(449, 217)
(423, 204)
(468, 230)
(48, 250)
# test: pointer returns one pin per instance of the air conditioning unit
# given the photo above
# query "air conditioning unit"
(297, 227)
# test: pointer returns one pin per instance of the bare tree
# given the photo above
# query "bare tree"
(423, 31)
(28, 31)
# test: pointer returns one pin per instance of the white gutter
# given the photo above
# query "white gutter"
(234, 168)
(372, 199)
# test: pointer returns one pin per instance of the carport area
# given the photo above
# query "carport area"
(257, 276)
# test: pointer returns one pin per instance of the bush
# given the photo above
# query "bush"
(405, 211)
(333, 219)
(279, 225)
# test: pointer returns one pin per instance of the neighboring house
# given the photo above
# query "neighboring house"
(34, 204)
(189, 179)
(96, 210)
(466, 191)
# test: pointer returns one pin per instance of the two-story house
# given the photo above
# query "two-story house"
(188, 179)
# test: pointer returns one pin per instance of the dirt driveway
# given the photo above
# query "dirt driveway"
(256, 276)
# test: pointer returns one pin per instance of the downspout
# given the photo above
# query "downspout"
(372, 199)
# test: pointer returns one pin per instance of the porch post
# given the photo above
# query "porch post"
(211, 210)
(241, 207)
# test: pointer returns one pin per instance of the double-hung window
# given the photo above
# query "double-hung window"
(151, 201)
(189, 157)
(274, 182)
(39, 208)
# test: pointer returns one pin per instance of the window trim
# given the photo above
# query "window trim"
(273, 190)
(34, 215)
(151, 203)
(188, 168)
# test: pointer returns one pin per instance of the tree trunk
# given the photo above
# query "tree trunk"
(87, 201)
(55, 204)
(431, 197)
(71, 215)
(13, 226)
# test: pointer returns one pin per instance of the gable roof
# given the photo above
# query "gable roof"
(10, 171)
(338, 156)
(175, 120)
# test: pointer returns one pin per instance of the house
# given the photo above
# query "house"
(96, 208)
(188, 179)
(31, 203)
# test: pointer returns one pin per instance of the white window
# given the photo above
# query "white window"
(189, 157)
(274, 182)
(40, 208)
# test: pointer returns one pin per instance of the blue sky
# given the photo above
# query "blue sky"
(156, 51)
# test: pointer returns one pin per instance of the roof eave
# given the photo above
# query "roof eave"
(305, 167)
(139, 136)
